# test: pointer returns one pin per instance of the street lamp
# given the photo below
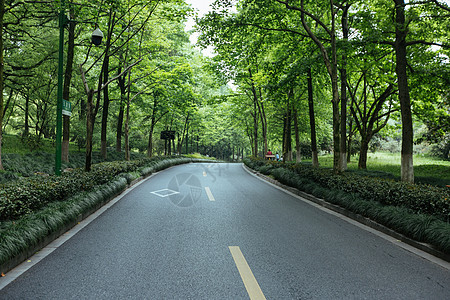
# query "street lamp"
(97, 37)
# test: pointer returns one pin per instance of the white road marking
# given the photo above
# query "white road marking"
(209, 194)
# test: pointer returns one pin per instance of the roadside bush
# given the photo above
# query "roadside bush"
(25, 233)
(419, 198)
(25, 195)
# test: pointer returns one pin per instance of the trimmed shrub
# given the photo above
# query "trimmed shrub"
(29, 194)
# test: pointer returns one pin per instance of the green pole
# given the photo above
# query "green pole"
(60, 90)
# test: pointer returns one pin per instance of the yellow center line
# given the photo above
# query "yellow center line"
(252, 286)
(209, 194)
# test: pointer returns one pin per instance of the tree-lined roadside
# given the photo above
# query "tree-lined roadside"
(366, 58)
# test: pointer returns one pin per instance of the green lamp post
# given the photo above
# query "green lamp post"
(97, 36)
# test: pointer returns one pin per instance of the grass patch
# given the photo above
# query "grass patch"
(427, 169)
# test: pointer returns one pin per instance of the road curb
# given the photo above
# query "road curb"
(356, 217)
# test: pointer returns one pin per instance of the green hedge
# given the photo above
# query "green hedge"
(420, 212)
(26, 195)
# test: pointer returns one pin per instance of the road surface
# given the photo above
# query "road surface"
(214, 231)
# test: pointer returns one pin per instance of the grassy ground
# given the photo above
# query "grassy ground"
(427, 169)
(26, 157)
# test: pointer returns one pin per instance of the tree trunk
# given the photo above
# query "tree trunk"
(127, 140)
(66, 90)
(121, 82)
(89, 130)
(152, 128)
(26, 130)
(343, 146)
(257, 110)
(119, 127)
(337, 161)
(362, 164)
(127, 119)
(312, 121)
(349, 142)
(187, 140)
(150, 140)
(331, 65)
(255, 130)
(104, 128)
(298, 154)
(2, 13)
(407, 168)
(82, 111)
(183, 135)
(287, 145)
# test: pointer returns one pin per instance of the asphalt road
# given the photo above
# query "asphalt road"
(213, 231)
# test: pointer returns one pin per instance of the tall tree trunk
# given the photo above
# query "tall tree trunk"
(82, 110)
(121, 82)
(152, 128)
(349, 141)
(407, 168)
(89, 130)
(343, 146)
(187, 139)
(105, 111)
(312, 121)
(331, 65)
(257, 110)
(150, 139)
(66, 89)
(183, 135)
(26, 130)
(2, 13)
(298, 154)
(119, 126)
(287, 145)
(127, 120)
(255, 130)
(338, 163)
(104, 128)
(362, 164)
(262, 115)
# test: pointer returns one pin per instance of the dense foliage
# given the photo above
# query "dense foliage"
(357, 66)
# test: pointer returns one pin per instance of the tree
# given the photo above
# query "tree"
(2, 13)
(406, 17)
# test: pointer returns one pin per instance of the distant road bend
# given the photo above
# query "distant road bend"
(214, 231)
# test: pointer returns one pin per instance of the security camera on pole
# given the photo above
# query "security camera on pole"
(97, 37)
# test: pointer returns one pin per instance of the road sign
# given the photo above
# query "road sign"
(67, 108)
